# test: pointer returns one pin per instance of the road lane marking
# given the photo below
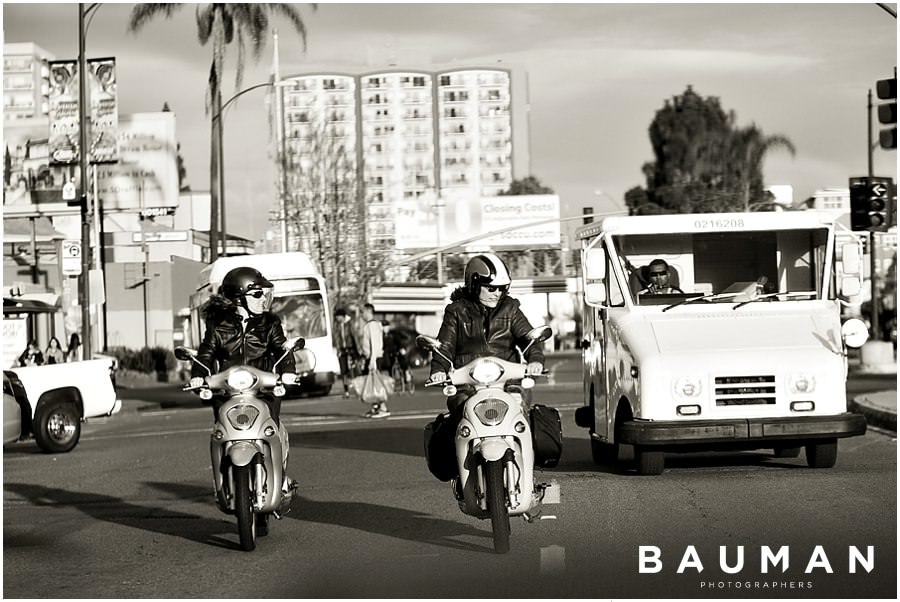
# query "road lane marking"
(553, 560)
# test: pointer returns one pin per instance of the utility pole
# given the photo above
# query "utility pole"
(83, 158)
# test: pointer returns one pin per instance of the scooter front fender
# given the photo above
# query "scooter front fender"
(491, 449)
(242, 453)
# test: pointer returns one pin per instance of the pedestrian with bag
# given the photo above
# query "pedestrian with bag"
(374, 391)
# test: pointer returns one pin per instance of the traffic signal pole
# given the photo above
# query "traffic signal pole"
(874, 328)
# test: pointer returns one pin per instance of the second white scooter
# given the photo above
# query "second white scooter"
(494, 447)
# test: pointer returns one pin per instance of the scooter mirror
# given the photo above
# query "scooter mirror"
(540, 334)
(295, 343)
(426, 342)
(185, 354)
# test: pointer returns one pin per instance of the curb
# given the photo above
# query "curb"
(877, 417)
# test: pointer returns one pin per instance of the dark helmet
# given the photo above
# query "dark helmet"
(239, 281)
(485, 269)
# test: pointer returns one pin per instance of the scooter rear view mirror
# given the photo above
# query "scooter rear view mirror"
(184, 354)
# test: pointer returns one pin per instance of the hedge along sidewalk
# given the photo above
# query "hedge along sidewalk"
(131, 379)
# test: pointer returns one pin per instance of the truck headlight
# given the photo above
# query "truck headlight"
(688, 387)
(801, 383)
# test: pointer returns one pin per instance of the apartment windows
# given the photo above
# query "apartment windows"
(445, 80)
(329, 84)
(419, 81)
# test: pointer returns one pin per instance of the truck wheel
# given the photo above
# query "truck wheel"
(57, 427)
(604, 453)
(822, 455)
(649, 461)
(786, 452)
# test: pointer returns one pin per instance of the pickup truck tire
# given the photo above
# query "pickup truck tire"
(822, 455)
(57, 427)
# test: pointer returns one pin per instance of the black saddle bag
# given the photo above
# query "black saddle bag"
(440, 447)
(546, 433)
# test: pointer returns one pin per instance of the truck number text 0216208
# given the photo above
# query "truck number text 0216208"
(719, 223)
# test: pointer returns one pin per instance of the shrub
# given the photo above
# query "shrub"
(148, 360)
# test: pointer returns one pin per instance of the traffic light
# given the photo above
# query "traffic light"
(887, 111)
(871, 204)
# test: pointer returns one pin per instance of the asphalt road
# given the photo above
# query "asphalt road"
(130, 514)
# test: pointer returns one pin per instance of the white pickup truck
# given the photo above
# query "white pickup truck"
(53, 400)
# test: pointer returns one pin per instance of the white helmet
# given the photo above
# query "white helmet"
(485, 269)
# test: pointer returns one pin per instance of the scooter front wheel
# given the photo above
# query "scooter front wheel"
(243, 508)
(496, 500)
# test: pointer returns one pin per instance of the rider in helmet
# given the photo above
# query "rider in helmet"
(241, 330)
(482, 320)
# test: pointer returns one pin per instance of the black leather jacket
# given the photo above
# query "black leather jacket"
(226, 344)
(472, 330)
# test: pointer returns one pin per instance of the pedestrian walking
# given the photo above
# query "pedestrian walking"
(346, 348)
(372, 350)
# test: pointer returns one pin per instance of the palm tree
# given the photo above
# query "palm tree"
(223, 23)
(750, 149)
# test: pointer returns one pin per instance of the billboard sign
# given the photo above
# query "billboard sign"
(462, 217)
(146, 175)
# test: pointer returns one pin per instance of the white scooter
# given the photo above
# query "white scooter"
(494, 448)
(249, 450)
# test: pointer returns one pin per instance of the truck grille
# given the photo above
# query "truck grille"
(745, 390)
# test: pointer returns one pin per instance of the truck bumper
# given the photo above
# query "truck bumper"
(751, 430)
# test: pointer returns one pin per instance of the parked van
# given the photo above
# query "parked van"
(299, 299)
(744, 350)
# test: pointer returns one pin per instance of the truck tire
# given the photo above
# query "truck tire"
(649, 461)
(57, 427)
(822, 454)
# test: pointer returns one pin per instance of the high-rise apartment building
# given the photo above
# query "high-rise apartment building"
(445, 133)
(26, 82)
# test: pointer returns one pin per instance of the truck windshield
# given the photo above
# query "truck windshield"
(723, 267)
(301, 314)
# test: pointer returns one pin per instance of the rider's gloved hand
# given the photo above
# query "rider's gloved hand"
(436, 378)
(196, 382)
(534, 368)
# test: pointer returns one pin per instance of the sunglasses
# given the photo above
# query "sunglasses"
(658, 274)
(493, 289)
(256, 294)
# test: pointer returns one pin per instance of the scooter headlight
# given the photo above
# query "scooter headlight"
(485, 372)
(241, 380)
(491, 412)
(242, 416)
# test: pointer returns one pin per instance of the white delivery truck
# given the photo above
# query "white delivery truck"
(745, 350)
(299, 299)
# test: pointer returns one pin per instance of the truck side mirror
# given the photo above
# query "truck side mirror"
(851, 268)
(594, 268)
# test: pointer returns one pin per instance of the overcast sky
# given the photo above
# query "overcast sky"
(598, 73)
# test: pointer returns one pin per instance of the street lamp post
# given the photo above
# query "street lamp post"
(83, 158)
(218, 178)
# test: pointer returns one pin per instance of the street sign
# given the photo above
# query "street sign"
(68, 191)
(71, 257)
